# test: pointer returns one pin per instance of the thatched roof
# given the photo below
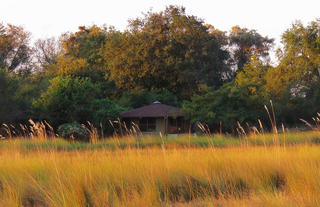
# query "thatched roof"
(153, 110)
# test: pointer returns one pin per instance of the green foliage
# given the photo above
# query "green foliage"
(15, 52)
(244, 43)
(17, 94)
(79, 100)
(294, 83)
(254, 73)
(67, 99)
(8, 87)
(299, 60)
(168, 56)
(164, 96)
(311, 96)
(136, 99)
(144, 97)
(73, 131)
(104, 110)
(166, 50)
(82, 54)
(228, 104)
(30, 88)
(304, 102)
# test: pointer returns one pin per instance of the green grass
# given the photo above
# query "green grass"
(59, 144)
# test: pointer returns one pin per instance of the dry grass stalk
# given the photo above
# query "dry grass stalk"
(24, 130)
(162, 141)
(255, 130)
(274, 117)
(243, 132)
(133, 130)
(307, 123)
(120, 125)
(261, 126)
(50, 130)
(284, 135)
(115, 134)
(315, 119)
(204, 129)
(7, 130)
(39, 130)
(272, 120)
(93, 132)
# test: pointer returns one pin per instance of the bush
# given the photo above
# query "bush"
(73, 131)
(104, 110)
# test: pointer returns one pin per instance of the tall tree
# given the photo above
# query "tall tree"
(81, 56)
(253, 76)
(15, 51)
(45, 52)
(81, 53)
(166, 50)
(299, 66)
(244, 43)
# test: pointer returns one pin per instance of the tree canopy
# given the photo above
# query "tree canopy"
(166, 50)
(15, 51)
(244, 43)
(217, 77)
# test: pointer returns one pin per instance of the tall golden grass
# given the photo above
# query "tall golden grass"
(158, 176)
(283, 171)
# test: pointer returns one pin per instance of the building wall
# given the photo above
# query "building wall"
(160, 125)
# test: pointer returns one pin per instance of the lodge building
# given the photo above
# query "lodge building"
(156, 118)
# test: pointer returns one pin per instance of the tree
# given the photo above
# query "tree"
(15, 51)
(135, 99)
(223, 40)
(45, 52)
(104, 111)
(75, 99)
(244, 43)
(254, 73)
(81, 55)
(227, 105)
(29, 88)
(67, 99)
(166, 50)
(299, 60)
(8, 88)
(295, 81)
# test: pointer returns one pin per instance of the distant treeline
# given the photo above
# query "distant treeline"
(217, 77)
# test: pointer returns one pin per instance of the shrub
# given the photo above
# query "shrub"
(73, 131)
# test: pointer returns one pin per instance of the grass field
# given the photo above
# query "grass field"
(184, 141)
(262, 170)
